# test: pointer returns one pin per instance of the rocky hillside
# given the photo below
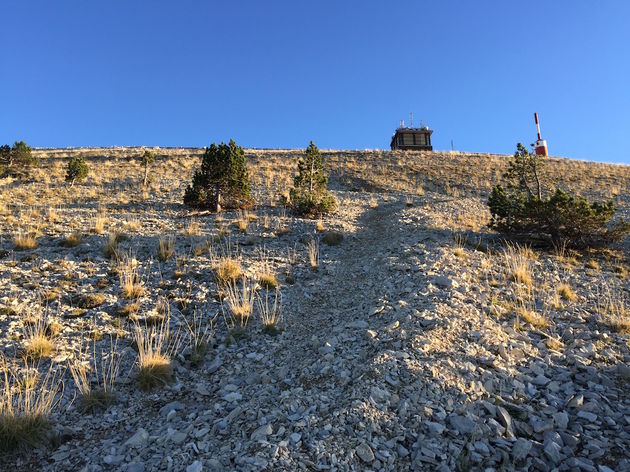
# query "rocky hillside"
(410, 337)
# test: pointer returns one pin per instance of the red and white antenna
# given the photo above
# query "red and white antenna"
(541, 144)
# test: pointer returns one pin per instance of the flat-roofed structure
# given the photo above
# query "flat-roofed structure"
(418, 139)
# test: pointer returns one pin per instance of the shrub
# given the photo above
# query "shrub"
(17, 159)
(221, 181)
(523, 211)
(147, 158)
(332, 238)
(309, 196)
(77, 170)
(5, 154)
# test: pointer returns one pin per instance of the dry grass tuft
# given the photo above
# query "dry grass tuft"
(266, 278)
(37, 343)
(133, 224)
(242, 221)
(270, 314)
(155, 350)
(166, 248)
(554, 302)
(50, 295)
(104, 367)
(24, 241)
(52, 215)
(593, 264)
(191, 229)
(99, 225)
(531, 317)
(38, 346)
(613, 308)
(228, 269)
(526, 310)
(26, 403)
(566, 292)
(555, 344)
(130, 284)
(73, 239)
(268, 281)
(516, 259)
(240, 302)
(621, 271)
(128, 310)
(312, 250)
(200, 336)
(88, 300)
(460, 244)
(110, 248)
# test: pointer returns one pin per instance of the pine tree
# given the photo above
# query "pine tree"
(18, 158)
(310, 173)
(77, 170)
(525, 210)
(309, 196)
(147, 159)
(222, 180)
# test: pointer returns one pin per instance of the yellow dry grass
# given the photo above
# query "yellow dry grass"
(566, 292)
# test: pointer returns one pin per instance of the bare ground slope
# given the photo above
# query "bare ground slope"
(405, 349)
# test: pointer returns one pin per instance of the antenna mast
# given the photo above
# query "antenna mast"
(541, 144)
(411, 119)
(537, 125)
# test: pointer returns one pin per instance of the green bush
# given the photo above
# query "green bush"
(147, 159)
(523, 210)
(309, 196)
(17, 159)
(5, 153)
(222, 180)
(77, 170)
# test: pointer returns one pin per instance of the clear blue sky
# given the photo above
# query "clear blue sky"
(343, 73)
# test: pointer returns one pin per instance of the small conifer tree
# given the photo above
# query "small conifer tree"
(77, 170)
(524, 210)
(5, 153)
(17, 159)
(309, 195)
(147, 159)
(222, 180)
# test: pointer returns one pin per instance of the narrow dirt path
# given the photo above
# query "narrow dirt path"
(340, 326)
(358, 272)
